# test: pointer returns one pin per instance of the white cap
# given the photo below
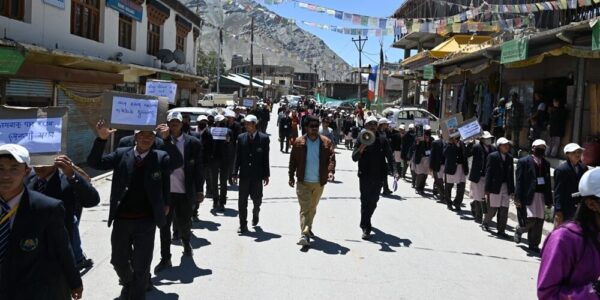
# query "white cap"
(371, 119)
(202, 118)
(502, 141)
(383, 121)
(426, 127)
(19, 152)
(174, 115)
(487, 135)
(219, 118)
(330, 115)
(588, 185)
(251, 118)
(411, 126)
(138, 131)
(229, 113)
(572, 147)
(402, 127)
(538, 143)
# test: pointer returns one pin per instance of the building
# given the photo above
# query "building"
(67, 53)
(279, 75)
(306, 82)
(236, 60)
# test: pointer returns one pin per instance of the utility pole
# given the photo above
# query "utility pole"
(360, 44)
(219, 60)
(251, 56)
(263, 74)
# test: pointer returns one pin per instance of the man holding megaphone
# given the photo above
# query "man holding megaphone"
(374, 157)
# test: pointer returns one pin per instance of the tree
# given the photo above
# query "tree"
(207, 65)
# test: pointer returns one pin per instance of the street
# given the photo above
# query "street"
(419, 250)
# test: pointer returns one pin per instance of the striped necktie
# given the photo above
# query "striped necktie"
(4, 230)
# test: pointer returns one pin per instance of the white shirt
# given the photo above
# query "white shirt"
(178, 175)
(136, 153)
(12, 203)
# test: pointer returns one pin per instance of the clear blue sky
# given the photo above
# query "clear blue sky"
(341, 43)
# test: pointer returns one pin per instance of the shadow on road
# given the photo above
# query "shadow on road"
(260, 235)
(387, 241)
(229, 212)
(394, 197)
(185, 273)
(208, 225)
(326, 247)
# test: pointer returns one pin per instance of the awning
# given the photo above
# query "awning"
(460, 44)
(414, 39)
(241, 80)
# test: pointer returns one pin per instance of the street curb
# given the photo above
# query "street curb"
(103, 176)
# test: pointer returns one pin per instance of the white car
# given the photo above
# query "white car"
(194, 113)
(407, 115)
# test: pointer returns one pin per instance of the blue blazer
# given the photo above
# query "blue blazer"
(479, 163)
(252, 161)
(39, 263)
(157, 178)
(496, 170)
(566, 183)
(527, 181)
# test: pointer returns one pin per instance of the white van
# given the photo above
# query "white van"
(217, 100)
(407, 115)
(194, 112)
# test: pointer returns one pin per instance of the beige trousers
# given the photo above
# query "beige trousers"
(309, 195)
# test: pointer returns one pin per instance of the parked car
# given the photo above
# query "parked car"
(194, 113)
(341, 105)
(406, 115)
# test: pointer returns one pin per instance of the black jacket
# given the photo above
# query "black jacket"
(129, 141)
(39, 262)
(192, 168)
(285, 126)
(478, 166)
(206, 140)
(222, 148)
(421, 150)
(252, 160)
(372, 163)
(408, 142)
(437, 155)
(527, 181)
(451, 154)
(395, 141)
(566, 183)
(496, 170)
(157, 180)
(73, 193)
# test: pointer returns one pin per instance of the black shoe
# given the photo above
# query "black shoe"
(85, 263)
(366, 235)
(485, 227)
(242, 230)
(311, 234)
(255, 220)
(162, 265)
(517, 237)
(222, 208)
(187, 249)
(534, 249)
(457, 208)
(502, 235)
(387, 192)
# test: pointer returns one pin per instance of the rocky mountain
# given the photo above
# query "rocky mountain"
(282, 43)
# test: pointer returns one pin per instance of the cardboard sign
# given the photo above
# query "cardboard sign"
(470, 129)
(161, 88)
(219, 133)
(133, 112)
(42, 131)
(450, 126)
(248, 102)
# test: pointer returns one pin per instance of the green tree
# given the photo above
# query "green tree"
(207, 65)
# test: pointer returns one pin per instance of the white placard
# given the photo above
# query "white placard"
(248, 103)
(41, 135)
(128, 111)
(469, 129)
(165, 89)
(219, 133)
(421, 121)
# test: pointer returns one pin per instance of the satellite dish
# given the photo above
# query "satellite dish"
(165, 56)
(179, 57)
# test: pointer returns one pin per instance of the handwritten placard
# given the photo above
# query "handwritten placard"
(219, 133)
(421, 121)
(248, 102)
(133, 112)
(470, 129)
(128, 111)
(450, 126)
(162, 88)
(36, 135)
(42, 131)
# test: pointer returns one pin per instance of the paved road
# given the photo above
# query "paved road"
(420, 250)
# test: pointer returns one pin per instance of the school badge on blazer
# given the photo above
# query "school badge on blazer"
(259, 150)
(155, 175)
(29, 245)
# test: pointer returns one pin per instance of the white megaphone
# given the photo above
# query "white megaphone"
(366, 137)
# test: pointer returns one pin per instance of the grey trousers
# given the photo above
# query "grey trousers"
(501, 220)
(533, 228)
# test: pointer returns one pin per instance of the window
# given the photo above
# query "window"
(13, 9)
(153, 38)
(125, 31)
(180, 43)
(85, 18)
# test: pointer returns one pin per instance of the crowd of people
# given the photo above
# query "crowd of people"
(161, 176)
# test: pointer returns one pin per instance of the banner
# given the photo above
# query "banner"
(514, 50)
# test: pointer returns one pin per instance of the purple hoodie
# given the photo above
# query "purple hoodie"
(569, 265)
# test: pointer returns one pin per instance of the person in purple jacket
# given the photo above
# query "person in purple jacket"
(570, 267)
